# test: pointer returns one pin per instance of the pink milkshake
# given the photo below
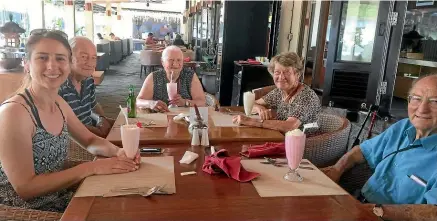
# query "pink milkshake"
(294, 150)
(130, 139)
(172, 90)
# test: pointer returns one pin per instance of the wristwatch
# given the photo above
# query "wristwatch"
(99, 121)
(378, 211)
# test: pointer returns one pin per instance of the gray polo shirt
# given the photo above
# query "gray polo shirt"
(82, 103)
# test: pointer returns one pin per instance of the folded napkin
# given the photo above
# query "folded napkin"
(267, 149)
(189, 157)
(221, 162)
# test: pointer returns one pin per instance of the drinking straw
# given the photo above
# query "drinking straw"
(125, 115)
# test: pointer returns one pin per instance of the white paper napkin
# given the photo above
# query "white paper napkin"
(189, 157)
(180, 116)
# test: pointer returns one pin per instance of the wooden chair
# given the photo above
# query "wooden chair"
(260, 92)
(149, 60)
(190, 54)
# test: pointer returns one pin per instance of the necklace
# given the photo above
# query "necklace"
(291, 94)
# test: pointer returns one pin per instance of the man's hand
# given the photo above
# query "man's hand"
(332, 172)
(106, 126)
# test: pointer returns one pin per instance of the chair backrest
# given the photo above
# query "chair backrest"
(211, 100)
(190, 54)
(260, 92)
(326, 145)
(330, 123)
(149, 57)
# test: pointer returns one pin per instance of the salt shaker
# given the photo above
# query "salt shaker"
(195, 141)
(205, 139)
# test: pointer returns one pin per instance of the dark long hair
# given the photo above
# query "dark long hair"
(32, 41)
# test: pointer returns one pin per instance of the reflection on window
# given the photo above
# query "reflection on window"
(357, 31)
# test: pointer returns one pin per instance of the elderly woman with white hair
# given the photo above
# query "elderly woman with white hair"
(154, 94)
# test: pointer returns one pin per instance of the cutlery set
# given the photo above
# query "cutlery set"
(278, 163)
(143, 191)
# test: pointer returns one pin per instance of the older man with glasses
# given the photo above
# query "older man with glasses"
(79, 89)
(404, 160)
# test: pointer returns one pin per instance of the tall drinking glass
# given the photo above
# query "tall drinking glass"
(294, 149)
(172, 90)
(248, 101)
(130, 139)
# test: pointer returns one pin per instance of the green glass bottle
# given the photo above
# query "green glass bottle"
(131, 100)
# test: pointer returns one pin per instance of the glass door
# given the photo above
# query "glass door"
(355, 52)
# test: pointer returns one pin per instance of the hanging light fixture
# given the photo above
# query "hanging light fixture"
(119, 11)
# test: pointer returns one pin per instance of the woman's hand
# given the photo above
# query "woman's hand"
(112, 165)
(122, 154)
(159, 106)
(241, 120)
(264, 113)
(178, 100)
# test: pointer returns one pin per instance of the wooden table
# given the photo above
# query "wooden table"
(207, 197)
(177, 133)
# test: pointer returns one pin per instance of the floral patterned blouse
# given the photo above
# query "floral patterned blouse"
(304, 106)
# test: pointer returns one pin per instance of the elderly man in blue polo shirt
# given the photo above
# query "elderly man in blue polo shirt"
(79, 89)
(404, 160)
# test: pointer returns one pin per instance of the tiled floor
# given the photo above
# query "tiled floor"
(114, 89)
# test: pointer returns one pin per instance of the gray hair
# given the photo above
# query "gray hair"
(74, 41)
(432, 76)
(167, 51)
(287, 59)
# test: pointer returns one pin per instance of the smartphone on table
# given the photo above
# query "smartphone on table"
(150, 150)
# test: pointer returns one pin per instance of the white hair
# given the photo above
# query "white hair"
(167, 51)
(73, 41)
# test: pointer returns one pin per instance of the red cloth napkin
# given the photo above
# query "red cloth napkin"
(221, 162)
(267, 149)
(187, 59)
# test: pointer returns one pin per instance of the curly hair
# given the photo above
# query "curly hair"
(287, 59)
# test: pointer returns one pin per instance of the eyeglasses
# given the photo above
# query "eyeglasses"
(42, 31)
(415, 101)
(285, 73)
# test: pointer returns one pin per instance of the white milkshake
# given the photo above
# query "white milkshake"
(248, 101)
(130, 139)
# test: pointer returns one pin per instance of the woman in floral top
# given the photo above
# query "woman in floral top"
(291, 104)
